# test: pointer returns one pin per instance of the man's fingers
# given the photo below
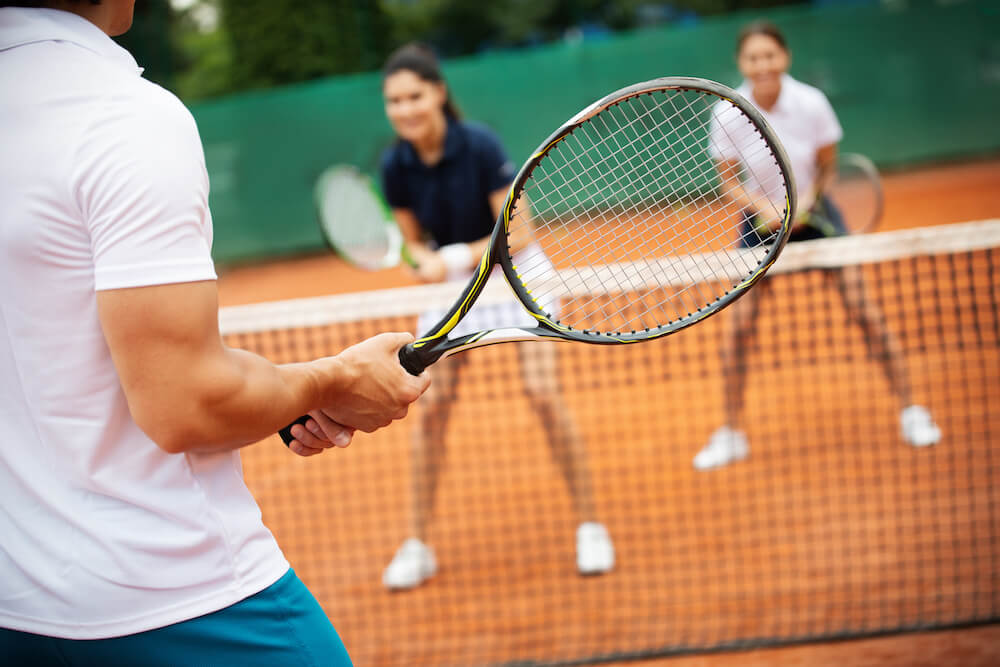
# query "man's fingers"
(309, 435)
(401, 338)
(333, 432)
(298, 448)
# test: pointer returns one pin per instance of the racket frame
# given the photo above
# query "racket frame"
(397, 249)
(816, 218)
(434, 344)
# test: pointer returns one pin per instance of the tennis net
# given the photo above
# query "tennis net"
(833, 526)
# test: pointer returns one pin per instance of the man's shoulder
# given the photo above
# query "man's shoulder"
(149, 98)
(143, 112)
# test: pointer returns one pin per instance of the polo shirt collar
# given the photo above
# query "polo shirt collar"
(20, 26)
(784, 95)
(453, 143)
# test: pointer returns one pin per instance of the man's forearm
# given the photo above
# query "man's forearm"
(234, 401)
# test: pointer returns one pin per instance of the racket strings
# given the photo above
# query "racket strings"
(640, 211)
(624, 205)
(754, 172)
(581, 174)
(647, 265)
(355, 221)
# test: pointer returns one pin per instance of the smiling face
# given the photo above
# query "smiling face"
(762, 61)
(414, 106)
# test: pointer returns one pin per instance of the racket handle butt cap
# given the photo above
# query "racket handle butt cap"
(286, 433)
(411, 361)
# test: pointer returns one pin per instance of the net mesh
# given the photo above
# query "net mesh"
(834, 526)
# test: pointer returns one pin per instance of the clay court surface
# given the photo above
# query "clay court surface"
(787, 530)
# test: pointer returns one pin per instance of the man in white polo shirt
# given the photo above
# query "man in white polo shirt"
(123, 513)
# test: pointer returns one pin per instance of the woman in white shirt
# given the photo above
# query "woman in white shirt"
(805, 123)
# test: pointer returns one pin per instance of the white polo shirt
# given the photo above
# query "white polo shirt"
(804, 122)
(102, 186)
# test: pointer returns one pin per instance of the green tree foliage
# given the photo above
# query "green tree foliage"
(458, 27)
(263, 43)
(284, 41)
(204, 60)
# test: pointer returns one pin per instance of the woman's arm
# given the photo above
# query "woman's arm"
(733, 190)
(826, 168)
(432, 266)
(429, 267)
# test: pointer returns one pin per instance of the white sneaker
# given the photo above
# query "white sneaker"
(918, 426)
(412, 565)
(594, 552)
(725, 446)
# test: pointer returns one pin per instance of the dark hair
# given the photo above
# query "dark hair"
(419, 59)
(761, 27)
(37, 3)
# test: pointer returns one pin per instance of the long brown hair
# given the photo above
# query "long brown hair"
(420, 59)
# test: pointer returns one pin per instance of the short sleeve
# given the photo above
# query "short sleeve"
(828, 130)
(393, 181)
(142, 187)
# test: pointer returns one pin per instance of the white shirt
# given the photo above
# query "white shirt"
(102, 186)
(803, 121)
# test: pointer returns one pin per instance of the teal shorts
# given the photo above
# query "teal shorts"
(281, 625)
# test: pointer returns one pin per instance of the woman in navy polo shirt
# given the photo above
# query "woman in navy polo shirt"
(808, 128)
(446, 181)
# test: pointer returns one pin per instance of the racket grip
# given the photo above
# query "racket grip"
(411, 361)
(286, 433)
(408, 358)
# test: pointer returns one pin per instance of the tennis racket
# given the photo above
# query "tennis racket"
(357, 222)
(616, 230)
(856, 195)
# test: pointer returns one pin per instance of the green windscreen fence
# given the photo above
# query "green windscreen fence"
(910, 81)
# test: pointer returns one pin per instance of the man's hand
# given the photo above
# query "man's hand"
(378, 389)
(319, 434)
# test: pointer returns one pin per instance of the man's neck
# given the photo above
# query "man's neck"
(101, 15)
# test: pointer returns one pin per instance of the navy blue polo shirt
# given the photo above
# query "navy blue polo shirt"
(450, 199)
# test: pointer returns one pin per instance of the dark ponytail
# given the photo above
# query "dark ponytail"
(420, 59)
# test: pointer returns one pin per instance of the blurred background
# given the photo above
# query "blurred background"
(282, 89)
(833, 529)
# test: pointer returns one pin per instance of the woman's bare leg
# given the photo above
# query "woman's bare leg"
(539, 368)
(428, 446)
